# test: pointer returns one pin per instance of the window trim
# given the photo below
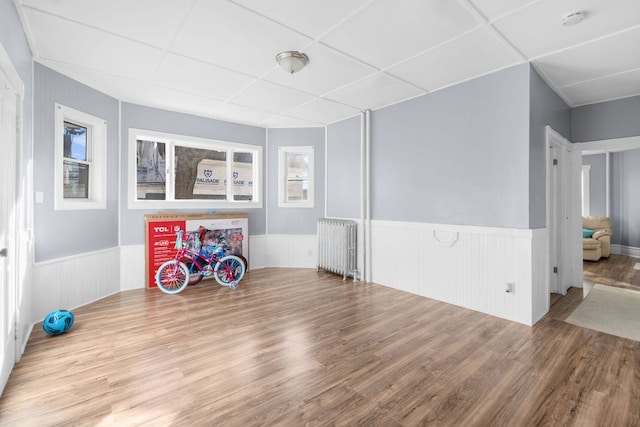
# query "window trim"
(282, 177)
(97, 159)
(171, 140)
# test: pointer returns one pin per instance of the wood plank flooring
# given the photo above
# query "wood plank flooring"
(294, 347)
(617, 270)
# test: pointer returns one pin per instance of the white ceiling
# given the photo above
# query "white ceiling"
(216, 58)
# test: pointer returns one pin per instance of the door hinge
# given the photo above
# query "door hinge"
(555, 270)
(555, 162)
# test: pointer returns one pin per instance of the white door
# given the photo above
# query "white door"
(555, 242)
(563, 213)
(8, 208)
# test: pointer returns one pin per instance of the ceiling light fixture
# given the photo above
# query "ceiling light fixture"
(292, 61)
(572, 18)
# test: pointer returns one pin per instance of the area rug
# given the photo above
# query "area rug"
(615, 311)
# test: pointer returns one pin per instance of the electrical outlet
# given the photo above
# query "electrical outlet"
(510, 288)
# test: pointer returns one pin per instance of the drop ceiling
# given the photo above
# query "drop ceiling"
(216, 58)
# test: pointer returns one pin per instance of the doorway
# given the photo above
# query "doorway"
(9, 125)
(615, 197)
(563, 211)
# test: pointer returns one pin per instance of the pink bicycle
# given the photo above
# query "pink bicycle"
(193, 262)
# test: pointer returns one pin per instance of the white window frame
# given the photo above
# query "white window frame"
(283, 175)
(96, 158)
(171, 140)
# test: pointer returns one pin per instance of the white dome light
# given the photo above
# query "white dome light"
(572, 18)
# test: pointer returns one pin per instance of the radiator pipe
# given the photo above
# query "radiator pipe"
(366, 193)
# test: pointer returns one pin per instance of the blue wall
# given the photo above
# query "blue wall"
(456, 156)
(64, 233)
(294, 220)
(606, 120)
(625, 198)
(147, 118)
(344, 169)
(610, 120)
(597, 184)
(546, 109)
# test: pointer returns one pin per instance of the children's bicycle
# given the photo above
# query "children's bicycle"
(193, 262)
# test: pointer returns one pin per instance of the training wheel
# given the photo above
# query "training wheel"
(233, 285)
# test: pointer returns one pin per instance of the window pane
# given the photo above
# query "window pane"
(150, 170)
(297, 165)
(75, 141)
(76, 180)
(297, 176)
(242, 176)
(200, 174)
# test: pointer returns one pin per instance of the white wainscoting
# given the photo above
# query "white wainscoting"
(290, 251)
(258, 252)
(461, 265)
(132, 267)
(466, 266)
(70, 282)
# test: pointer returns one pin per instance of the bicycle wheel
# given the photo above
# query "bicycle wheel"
(195, 275)
(228, 269)
(244, 261)
(172, 277)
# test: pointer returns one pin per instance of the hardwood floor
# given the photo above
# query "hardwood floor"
(617, 270)
(297, 347)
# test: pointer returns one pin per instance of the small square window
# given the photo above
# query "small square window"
(295, 177)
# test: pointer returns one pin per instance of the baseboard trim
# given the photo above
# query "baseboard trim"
(625, 250)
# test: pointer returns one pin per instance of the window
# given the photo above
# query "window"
(80, 160)
(295, 177)
(206, 173)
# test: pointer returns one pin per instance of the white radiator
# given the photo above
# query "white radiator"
(337, 246)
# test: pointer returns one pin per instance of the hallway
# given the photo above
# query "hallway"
(617, 270)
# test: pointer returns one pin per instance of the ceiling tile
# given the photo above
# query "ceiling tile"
(310, 17)
(374, 92)
(197, 77)
(149, 21)
(238, 113)
(604, 89)
(537, 30)
(388, 31)
(225, 34)
(280, 121)
(193, 55)
(175, 100)
(591, 60)
(323, 111)
(492, 9)
(327, 70)
(90, 48)
(476, 53)
(270, 97)
(118, 87)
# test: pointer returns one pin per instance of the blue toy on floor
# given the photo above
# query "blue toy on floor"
(58, 322)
